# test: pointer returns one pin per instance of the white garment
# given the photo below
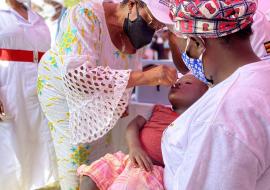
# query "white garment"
(261, 35)
(26, 149)
(223, 140)
(264, 6)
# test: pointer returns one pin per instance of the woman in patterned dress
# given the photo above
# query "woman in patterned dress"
(86, 79)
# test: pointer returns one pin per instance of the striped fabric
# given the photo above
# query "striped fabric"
(115, 172)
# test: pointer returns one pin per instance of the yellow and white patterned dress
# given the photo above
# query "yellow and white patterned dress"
(82, 88)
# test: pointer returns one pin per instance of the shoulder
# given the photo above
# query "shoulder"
(159, 107)
(164, 109)
(245, 111)
(38, 19)
(89, 10)
(250, 90)
(261, 35)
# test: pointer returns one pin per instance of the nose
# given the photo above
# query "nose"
(177, 84)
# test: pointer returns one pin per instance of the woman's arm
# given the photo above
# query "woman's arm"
(177, 46)
(136, 153)
(160, 75)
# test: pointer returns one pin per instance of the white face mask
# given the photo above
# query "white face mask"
(48, 11)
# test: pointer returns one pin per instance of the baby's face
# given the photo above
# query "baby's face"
(186, 90)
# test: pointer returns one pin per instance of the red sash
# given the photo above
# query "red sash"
(20, 55)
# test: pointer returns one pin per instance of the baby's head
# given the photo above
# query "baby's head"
(186, 91)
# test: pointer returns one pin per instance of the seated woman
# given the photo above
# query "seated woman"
(143, 167)
(223, 140)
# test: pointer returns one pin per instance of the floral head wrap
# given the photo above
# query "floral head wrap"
(211, 18)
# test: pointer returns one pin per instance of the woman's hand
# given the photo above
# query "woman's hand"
(161, 75)
(125, 114)
(2, 113)
(139, 158)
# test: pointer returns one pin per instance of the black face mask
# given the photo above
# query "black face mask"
(138, 31)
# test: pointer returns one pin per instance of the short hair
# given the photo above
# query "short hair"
(243, 34)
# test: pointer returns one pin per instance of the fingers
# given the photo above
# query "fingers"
(144, 162)
(1, 110)
(162, 75)
(140, 162)
(125, 114)
(147, 163)
(171, 75)
(133, 161)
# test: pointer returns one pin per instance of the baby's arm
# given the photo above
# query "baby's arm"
(136, 153)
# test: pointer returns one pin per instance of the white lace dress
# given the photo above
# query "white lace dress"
(82, 87)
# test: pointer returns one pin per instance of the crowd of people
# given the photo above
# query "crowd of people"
(62, 92)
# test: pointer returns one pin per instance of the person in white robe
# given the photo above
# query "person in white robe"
(27, 154)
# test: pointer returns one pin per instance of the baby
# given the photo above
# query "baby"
(142, 168)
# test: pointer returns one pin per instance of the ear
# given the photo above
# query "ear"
(197, 46)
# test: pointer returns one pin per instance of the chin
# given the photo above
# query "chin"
(174, 93)
(173, 98)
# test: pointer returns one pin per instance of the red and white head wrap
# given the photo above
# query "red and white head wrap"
(211, 18)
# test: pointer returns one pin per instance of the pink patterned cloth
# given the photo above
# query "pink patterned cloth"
(211, 18)
(116, 172)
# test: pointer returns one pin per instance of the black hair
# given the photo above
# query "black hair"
(243, 34)
(140, 3)
(124, 2)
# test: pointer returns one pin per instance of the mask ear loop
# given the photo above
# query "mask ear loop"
(201, 56)
(137, 10)
(188, 42)
(210, 81)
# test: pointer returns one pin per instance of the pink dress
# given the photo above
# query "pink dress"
(116, 172)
